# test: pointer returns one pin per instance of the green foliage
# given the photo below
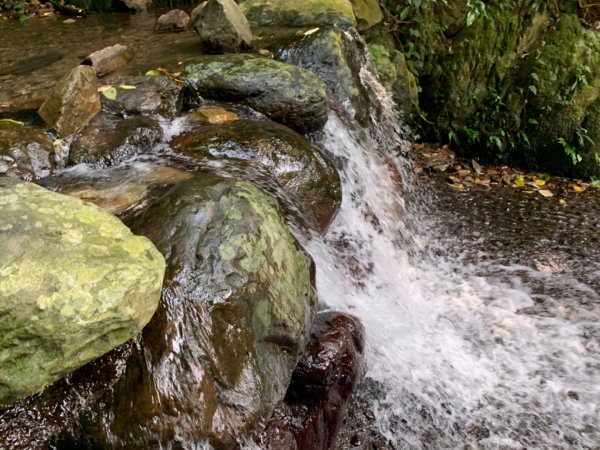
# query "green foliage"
(19, 8)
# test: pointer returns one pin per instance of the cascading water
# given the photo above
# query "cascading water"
(457, 360)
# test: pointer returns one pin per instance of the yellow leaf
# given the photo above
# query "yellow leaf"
(127, 86)
(154, 73)
(562, 202)
(265, 52)
(311, 31)
(578, 188)
(519, 181)
(546, 193)
(540, 182)
(16, 122)
(106, 87)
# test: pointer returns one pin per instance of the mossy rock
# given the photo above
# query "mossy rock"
(259, 150)
(283, 92)
(299, 13)
(74, 284)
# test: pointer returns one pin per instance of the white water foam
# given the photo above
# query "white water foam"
(459, 364)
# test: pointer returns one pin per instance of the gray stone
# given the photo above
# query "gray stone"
(74, 284)
(25, 152)
(73, 102)
(222, 26)
(174, 21)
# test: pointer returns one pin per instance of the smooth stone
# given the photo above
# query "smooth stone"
(173, 21)
(312, 413)
(283, 92)
(146, 95)
(73, 102)
(74, 284)
(222, 26)
(212, 114)
(259, 149)
(109, 59)
(299, 13)
(109, 140)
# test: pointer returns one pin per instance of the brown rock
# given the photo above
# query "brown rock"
(313, 410)
(73, 102)
(212, 114)
(109, 59)
(222, 26)
(174, 21)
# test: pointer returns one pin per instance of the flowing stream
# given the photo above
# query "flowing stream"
(482, 309)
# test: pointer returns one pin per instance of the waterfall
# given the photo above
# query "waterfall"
(453, 360)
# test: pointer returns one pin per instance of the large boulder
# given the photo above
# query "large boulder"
(258, 149)
(299, 13)
(236, 312)
(283, 92)
(312, 413)
(75, 283)
(109, 139)
(146, 95)
(367, 12)
(222, 26)
(25, 152)
(73, 102)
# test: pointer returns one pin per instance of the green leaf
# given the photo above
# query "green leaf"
(532, 121)
(127, 86)
(533, 89)
(154, 73)
(110, 94)
(404, 13)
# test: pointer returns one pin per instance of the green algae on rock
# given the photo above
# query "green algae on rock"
(299, 13)
(280, 154)
(367, 12)
(283, 92)
(74, 284)
(237, 306)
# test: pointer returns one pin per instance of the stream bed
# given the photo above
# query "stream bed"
(481, 307)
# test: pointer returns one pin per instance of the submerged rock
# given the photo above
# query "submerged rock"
(109, 140)
(75, 284)
(25, 152)
(212, 114)
(299, 13)
(174, 21)
(109, 59)
(285, 93)
(146, 95)
(256, 149)
(312, 413)
(222, 26)
(73, 102)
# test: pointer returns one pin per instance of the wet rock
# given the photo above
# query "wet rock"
(299, 13)
(25, 152)
(235, 315)
(367, 12)
(73, 102)
(23, 110)
(109, 140)
(148, 96)
(109, 59)
(285, 93)
(174, 21)
(75, 284)
(212, 114)
(222, 26)
(119, 190)
(312, 413)
(252, 148)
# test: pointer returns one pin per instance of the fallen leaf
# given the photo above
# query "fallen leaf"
(464, 173)
(506, 178)
(476, 167)
(176, 74)
(519, 181)
(127, 87)
(482, 182)
(154, 73)
(578, 188)
(105, 87)
(265, 52)
(110, 94)
(69, 21)
(16, 122)
(540, 182)
(546, 193)
(311, 31)
(57, 142)
(562, 202)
